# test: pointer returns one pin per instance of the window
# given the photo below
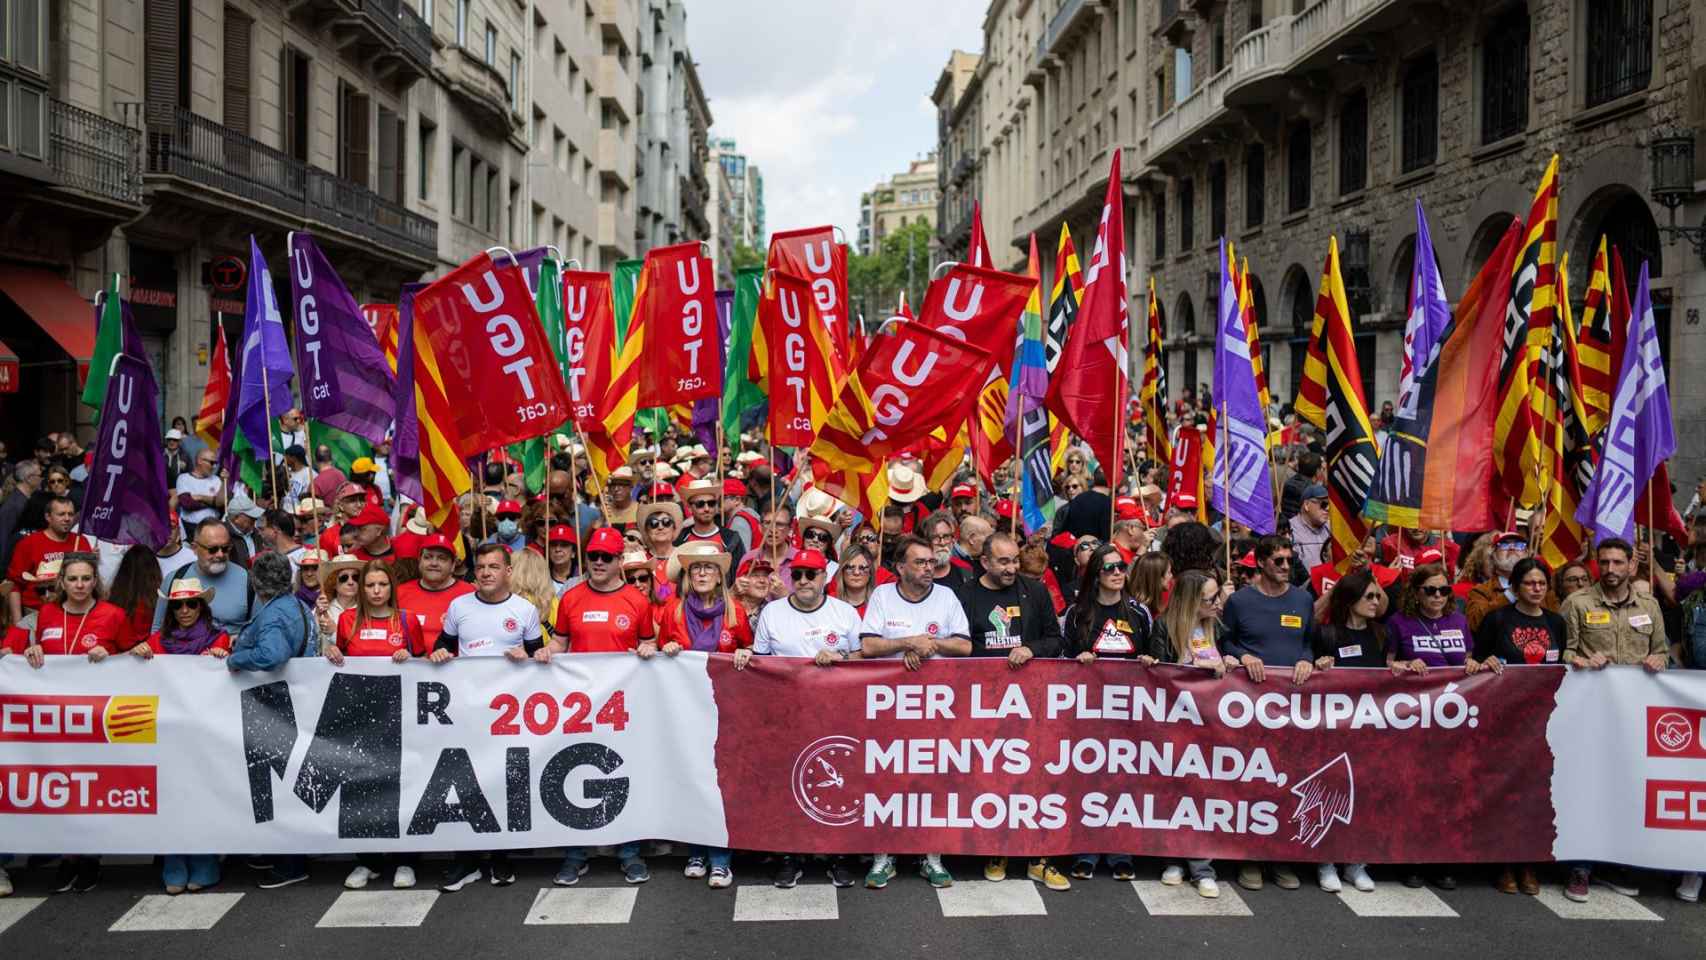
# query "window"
(392, 160)
(425, 8)
(1619, 48)
(23, 68)
(1297, 160)
(235, 82)
(514, 80)
(1420, 119)
(1504, 76)
(165, 49)
(1255, 184)
(1187, 213)
(491, 45)
(353, 142)
(27, 32)
(462, 23)
(293, 101)
(1158, 206)
(1217, 199)
(1217, 46)
(458, 180)
(1181, 74)
(425, 145)
(1160, 92)
(559, 149)
(1353, 143)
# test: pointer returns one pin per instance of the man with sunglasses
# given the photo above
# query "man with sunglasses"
(198, 490)
(213, 566)
(52, 542)
(704, 497)
(1508, 548)
(1270, 623)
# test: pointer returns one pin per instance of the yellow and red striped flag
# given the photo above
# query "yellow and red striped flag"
(607, 448)
(1528, 331)
(1604, 330)
(1152, 395)
(210, 419)
(1062, 310)
(1247, 311)
(430, 456)
(1566, 453)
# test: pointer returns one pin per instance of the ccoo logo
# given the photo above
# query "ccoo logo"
(1673, 732)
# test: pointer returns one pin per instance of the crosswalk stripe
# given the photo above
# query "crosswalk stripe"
(1602, 905)
(809, 901)
(1395, 900)
(379, 908)
(555, 906)
(13, 909)
(189, 911)
(982, 898)
(1183, 900)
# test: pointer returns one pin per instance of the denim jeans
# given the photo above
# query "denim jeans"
(719, 856)
(626, 853)
(201, 869)
(1094, 859)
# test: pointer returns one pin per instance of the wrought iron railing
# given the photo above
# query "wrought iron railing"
(91, 153)
(416, 35)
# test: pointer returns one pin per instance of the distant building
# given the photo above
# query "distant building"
(903, 199)
(746, 193)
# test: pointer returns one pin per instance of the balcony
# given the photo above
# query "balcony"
(1079, 194)
(1311, 40)
(615, 86)
(613, 163)
(1190, 119)
(1073, 18)
(479, 85)
(93, 155)
(389, 35)
(210, 166)
(962, 169)
(1173, 20)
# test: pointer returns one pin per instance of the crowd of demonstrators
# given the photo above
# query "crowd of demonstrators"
(681, 553)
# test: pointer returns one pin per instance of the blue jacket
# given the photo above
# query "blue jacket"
(282, 628)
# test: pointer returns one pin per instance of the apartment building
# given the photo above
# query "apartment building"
(746, 193)
(906, 198)
(957, 156)
(673, 127)
(1279, 123)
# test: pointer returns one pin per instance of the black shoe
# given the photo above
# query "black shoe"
(65, 877)
(840, 875)
(276, 878)
(259, 861)
(460, 874)
(501, 873)
(88, 876)
(789, 873)
(1414, 881)
(1445, 881)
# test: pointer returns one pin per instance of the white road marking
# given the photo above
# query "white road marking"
(808, 901)
(186, 911)
(1184, 901)
(982, 898)
(1395, 900)
(558, 905)
(379, 908)
(13, 909)
(1602, 904)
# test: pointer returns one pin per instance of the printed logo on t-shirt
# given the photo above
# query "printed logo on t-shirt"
(830, 639)
(623, 621)
(595, 616)
(52, 633)
(1534, 643)
(932, 628)
(89, 640)
(373, 633)
(1354, 650)
(1002, 636)
(1114, 638)
(511, 625)
(476, 644)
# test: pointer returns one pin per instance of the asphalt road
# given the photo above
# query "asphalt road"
(673, 916)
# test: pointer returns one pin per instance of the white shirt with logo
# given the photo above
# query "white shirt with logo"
(484, 629)
(785, 631)
(890, 615)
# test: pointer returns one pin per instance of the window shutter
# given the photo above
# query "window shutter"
(287, 99)
(399, 166)
(236, 54)
(160, 52)
(388, 158)
(360, 150)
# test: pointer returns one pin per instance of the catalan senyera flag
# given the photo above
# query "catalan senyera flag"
(210, 419)
(1600, 340)
(1566, 454)
(1528, 330)
(1331, 398)
(621, 404)
(805, 364)
(1152, 395)
(1247, 311)
(426, 467)
(1062, 310)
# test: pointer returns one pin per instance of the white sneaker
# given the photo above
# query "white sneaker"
(1207, 888)
(1330, 878)
(695, 869)
(1357, 874)
(1173, 875)
(403, 879)
(1687, 891)
(5, 883)
(358, 878)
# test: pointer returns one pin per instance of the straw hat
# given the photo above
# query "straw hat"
(702, 487)
(418, 524)
(818, 523)
(635, 560)
(189, 588)
(667, 507)
(663, 471)
(46, 572)
(905, 485)
(330, 569)
(817, 503)
(697, 551)
(308, 506)
(644, 455)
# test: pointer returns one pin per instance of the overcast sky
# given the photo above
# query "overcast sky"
(826, 96)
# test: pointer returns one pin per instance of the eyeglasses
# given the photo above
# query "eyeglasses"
(1579, 578)
(216, 548)
(942, 538)
(599, 556)
(800, 573)
(1280, 558)
(348, 577)
(1537, 584)
(702, 504)
(658, 523)
(1437, 591)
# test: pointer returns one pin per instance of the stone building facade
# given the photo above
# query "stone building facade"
(906, 198)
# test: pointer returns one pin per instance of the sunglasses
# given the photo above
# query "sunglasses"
(185, 605)
(348, 577)
(867, 538)
(599, 556)
(815, 535)
(638, 578)
(702, 504)
(1113, 568)
(221, 548)
(856, 568)
(1437, 591)
(1371, 595)
(658, 523)
(800, 574)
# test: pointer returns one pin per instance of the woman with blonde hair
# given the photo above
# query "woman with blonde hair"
(340, 590)
(1188, 633)
(530, 579)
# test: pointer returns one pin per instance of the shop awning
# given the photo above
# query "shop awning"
(56, 308)
(8, 369)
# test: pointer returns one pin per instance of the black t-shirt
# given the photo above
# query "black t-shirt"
(954, 579)
(1118, 629)
(1352, 648)
(1001, 620)
(1516, 637)
(1087, 515)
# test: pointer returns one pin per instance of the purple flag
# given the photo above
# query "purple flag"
(1430, 312)
(126, 500)
(345, 381)
(1243, 487)
(406, 443)
(263, 387)
(1639, 435)
(707, 410)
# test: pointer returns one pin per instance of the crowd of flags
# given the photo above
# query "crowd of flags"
(1503, 402)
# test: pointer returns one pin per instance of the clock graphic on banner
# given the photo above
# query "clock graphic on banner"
(821, 781)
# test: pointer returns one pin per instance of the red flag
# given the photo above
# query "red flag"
(486, 334)
(589, 316)
(1088, 388)
(675, 314)
(977, 249)
(979, 306)
(812, 253)
(1185, 475)
(804, 369)
(210, 419)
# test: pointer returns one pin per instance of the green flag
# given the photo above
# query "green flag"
(739, 393)
(346, 447)
(248, 462)
(109, 341)
(548, 301)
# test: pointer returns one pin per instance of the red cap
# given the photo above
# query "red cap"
(350, 490)
(1004, 508)
(965, 490)
(733, 488)
(810, 560)
(1185, 501)
(662, 490)
(1126, 508)
(370, 515)
(437, 541)
(1064, 540)
(606, 540)
(562, 531)
(1248, 560)
(1430, 555)
(508, 506)
(753, 562)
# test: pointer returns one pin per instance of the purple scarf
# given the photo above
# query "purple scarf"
(192, 640)
(308, 595)
(704, 622)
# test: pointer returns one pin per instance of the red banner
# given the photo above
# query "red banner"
(485, 332)
(675, 310)
(1185, 473)
(1059, 757)
(812, 253)
(802, 364)
(589, 321)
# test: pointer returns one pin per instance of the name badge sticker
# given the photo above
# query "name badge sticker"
(1640, 620)
(1291, 620)
(1598, 617)
(1354, 650)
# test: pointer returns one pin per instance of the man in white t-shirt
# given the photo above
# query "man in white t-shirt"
(490, 622)
(807, 623)
(201, 486)
(914, 618)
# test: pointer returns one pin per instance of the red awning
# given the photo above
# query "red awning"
(8, 369)
(60, 311)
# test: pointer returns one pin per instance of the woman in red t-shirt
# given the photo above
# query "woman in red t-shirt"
(76, 621)
(374, 627)
(701, 616)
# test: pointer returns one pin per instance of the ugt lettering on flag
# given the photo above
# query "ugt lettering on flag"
(126, 497)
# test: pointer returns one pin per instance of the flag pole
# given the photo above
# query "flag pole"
(1222, 454)
(224, 475)
(574, 513)
(603, 515)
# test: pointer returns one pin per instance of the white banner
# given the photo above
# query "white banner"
(180, 755)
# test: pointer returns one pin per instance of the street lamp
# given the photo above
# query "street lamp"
(1673, 184)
